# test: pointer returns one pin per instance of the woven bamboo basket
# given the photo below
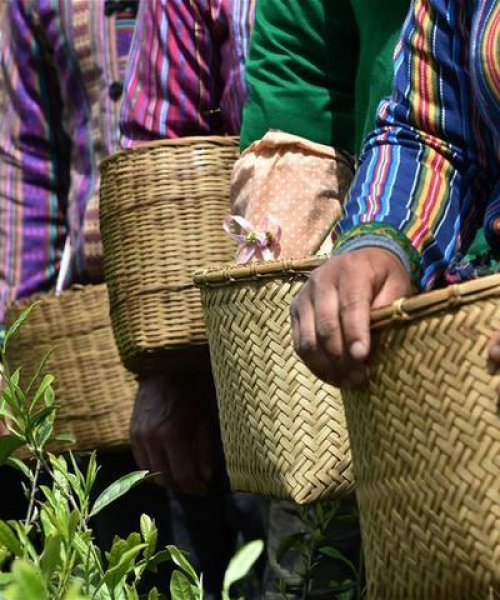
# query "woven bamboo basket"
(425, 440)
(94, 392)
(283, 430)
(162, 208)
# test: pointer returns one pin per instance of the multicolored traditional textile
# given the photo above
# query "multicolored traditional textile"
(186, 72)
(61, 70)
(431, 169)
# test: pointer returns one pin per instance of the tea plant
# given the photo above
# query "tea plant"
(51, 553)
(317, 544)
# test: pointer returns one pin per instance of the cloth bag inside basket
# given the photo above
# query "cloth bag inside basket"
(302, 184)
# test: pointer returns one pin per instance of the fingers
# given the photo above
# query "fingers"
(331, 315)
(332, 344)
(494, 352)
(305, 339)
(355, 299)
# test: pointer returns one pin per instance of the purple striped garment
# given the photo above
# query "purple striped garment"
(186, 69)
(62, 64)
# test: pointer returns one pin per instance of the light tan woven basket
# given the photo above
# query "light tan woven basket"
(94, 392)
(425, 439)
(283, 430)
(162, 208)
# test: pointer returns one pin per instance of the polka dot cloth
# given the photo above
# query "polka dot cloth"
(300, 183)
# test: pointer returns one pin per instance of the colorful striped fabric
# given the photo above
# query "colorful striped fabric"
(61, 73)
(431, 169)
(186, 72)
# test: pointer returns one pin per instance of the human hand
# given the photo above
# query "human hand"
(494, 353)
(331, 314)
(173, 431)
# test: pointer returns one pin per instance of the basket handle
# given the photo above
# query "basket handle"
(65, 263)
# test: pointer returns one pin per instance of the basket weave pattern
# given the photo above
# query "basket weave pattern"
(426, 447)
(94, 392)
(162, 208)
(283, 431)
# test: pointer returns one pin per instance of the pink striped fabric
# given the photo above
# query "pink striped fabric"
(186, 71)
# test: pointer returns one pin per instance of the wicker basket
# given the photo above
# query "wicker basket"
(94, 392)
(426, 448)
(162, 208)
(283, 430)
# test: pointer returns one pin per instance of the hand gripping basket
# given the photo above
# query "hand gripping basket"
(425, 440)
(162, 208)
(94, 392)
(283, 430)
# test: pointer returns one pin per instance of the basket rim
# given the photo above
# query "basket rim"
(401, 311)
(50, 297)
(233, 273)
(198, 140)
(430, 303)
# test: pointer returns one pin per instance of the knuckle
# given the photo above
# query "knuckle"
(306, 346)
(326, 328)
(350, 301)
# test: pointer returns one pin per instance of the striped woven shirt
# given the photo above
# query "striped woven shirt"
(186, 71)
(429, 175)
(62, 65)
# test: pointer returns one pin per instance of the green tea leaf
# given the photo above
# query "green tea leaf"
(182, 562)
(24, 539)
(158, 559)
(9, 539)
(8, 445)
(294, 540)
(149, 534)
(180, 587)
(44, 385)
(51, 557)
(91, 475)
(336, 555)
(49, 396)
(117, 490)
(74, 593)
(41, 416)
(64, 438)
(242, 562)
(14, 328)
(40, 369)
(28, 583)
(117, 574)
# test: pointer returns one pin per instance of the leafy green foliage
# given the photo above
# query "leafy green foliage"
(51, 554)
(313, 545)
(241, 564)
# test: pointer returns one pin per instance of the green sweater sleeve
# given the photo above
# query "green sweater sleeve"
(301, 72)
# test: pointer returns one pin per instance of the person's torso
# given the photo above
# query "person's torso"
(88, 43)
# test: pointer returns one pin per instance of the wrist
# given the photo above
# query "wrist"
(385, 238)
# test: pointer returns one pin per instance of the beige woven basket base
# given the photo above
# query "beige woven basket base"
(162, 209)
(426, 447)
(94, 392)
(283, 430)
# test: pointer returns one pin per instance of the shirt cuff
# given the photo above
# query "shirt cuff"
(377, 235)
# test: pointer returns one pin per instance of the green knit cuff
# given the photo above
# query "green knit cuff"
(384, 231)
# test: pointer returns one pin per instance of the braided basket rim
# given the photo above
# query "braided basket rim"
(145, 147)
(223, 275)
(401, 311)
